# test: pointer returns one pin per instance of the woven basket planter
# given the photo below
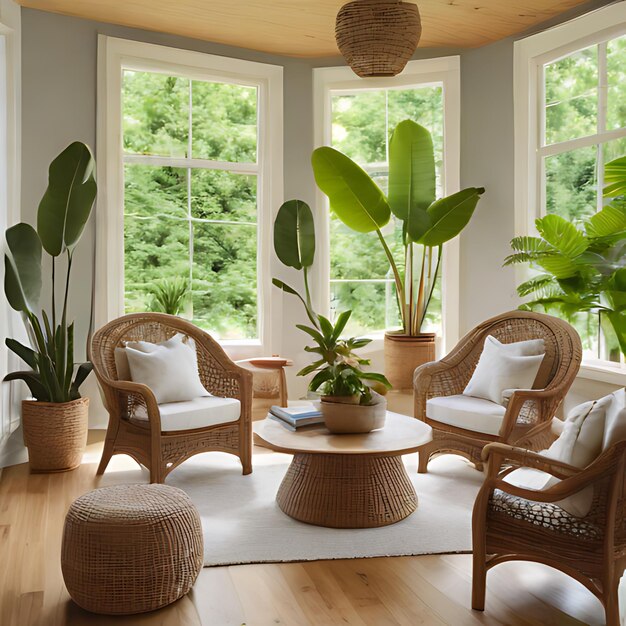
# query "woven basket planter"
(55, 434)
(403, 354)
(378, 37)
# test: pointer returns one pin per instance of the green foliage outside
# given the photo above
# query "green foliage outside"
(573, 190)
(193, 225)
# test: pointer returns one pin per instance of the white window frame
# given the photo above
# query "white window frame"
(530, 56)
(443, 71)
(115, 55)
(10, 181)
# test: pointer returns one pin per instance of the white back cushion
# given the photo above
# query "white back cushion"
(169, 368)
(615, 421)
(580, 442)
(503, 366)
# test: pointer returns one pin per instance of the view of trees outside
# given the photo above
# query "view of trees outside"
(360, 278)
(575, 107)
(195, 219)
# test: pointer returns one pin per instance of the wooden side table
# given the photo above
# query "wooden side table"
(347, 481)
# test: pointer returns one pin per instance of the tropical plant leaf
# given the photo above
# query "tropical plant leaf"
(326, 327)
(22, 279)
(28, 355)
(294, 234)
(411, 175)
(379, 378)
(33, 381)
(531, 245)
(340, 324)
(536, 285)
(448, 217)
(311, 368)
(611, 220)
(68, 200)
(320, 378)
(615, 175)
(84, 369)
(321, 340)
(563, 235)
(559, 265)
(354, 197)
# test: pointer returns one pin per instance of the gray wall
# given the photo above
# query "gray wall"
(59, 58)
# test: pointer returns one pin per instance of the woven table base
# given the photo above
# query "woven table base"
(347, 490)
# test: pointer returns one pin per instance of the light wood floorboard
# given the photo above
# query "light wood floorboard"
(431, 590)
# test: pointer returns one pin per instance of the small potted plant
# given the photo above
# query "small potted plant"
(55, 420)
(349, 403)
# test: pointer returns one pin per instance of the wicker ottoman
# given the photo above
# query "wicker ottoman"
(131, 548)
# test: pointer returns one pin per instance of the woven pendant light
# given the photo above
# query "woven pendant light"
(378, 37)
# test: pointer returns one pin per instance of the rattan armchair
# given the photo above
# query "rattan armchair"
(162, 451)
(511, 523)
(528, 415)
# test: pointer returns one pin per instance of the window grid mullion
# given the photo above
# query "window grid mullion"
(189, 221)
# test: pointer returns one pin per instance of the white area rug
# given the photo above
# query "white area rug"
(243, 524)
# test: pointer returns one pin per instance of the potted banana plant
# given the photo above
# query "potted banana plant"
(427, 224)
(54, 421)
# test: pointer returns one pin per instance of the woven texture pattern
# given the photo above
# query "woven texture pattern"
(377, 37)
(515, 523)
(545, 514)
(347, 491)
(528, 413)
(55, 434)
(160, 451)
(131, 548)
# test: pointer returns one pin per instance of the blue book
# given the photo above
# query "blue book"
(298, 415)
(288, 426)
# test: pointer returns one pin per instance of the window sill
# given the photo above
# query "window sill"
(603, 372)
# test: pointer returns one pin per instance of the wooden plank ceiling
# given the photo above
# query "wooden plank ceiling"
(305, 28)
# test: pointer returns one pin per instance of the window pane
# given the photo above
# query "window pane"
(225, 279)
(614, 149)
(155, 116)
(358, 126)
(587, 326)
(154, 249)
(373, 305)
(224, 122)
(571, 183)
(219, 195)
(572, 96)
(152, 191)
(616, 74)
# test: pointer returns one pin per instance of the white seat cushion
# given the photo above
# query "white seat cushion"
(196, 413)
(477, 414)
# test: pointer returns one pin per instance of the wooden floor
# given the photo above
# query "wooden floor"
(431, 590)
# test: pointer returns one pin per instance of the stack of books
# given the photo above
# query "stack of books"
(296, 417)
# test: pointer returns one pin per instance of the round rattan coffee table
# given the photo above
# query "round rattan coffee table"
(347, 481)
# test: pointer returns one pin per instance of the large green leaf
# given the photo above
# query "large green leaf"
(559, 265)
(354, 197)
(66, 205)
(411, 175)
(611, 220)
(563, 235)
(28, 355)
(294, 234)
(22, 277)
(448, 217)
(615, 175)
